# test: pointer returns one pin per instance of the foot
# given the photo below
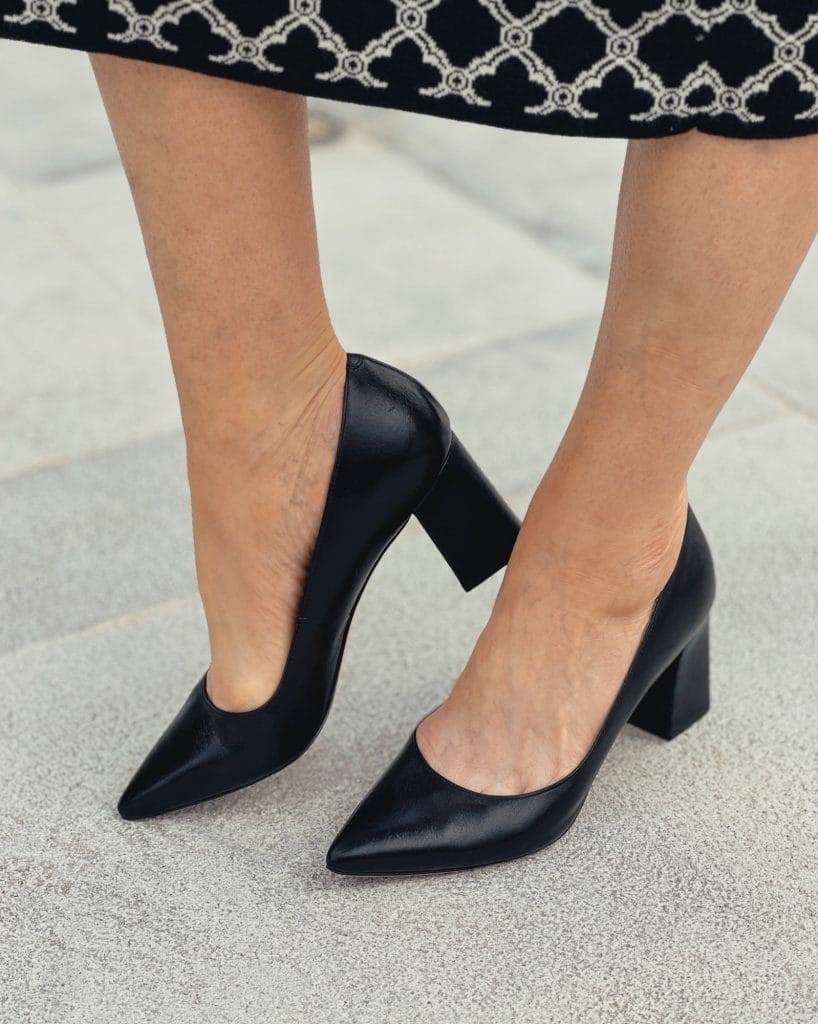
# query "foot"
(546, 669)
(258, 492)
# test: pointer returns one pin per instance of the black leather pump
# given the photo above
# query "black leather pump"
(414, 820)
(396, 456)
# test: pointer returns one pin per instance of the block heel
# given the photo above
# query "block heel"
(681, 694)
(467, 519)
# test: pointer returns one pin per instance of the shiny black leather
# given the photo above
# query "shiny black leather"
(393, 451)
(414, 820)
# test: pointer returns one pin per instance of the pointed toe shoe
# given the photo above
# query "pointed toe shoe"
(396, 457)
(415, 820)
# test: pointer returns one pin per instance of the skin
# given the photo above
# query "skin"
(710, 233)
(220, 177)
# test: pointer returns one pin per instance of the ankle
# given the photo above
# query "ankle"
(257, 435)
(612, 566)
(246, 420)
(258, 488)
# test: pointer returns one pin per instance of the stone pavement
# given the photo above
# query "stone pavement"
(687, 890)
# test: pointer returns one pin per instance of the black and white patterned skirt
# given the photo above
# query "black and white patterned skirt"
(627, 68)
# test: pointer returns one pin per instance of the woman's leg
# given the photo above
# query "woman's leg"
(221, 180)
(710, 233)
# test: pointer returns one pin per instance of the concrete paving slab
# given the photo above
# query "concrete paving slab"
(787, 363)
(74, 537)
(801, 305)
(684, 892)
(49, 102)
(405, 258)
(84, 363)
(411, 263)
(93, 539)
(562, 190)
(513, 400)
(410, 267)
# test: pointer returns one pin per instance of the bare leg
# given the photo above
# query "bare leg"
(221, 180)
(710, 233)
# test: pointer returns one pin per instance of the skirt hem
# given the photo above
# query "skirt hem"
(494, 116)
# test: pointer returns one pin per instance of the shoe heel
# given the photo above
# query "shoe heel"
(468, 520)
(681, 694)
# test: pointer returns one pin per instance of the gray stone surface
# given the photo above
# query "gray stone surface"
(786, 366)
(50, 102)
(414, 270)
(562, 189)
(98, 537)
(411, 263)
(108, 534)
(512, 400)
(84, 365)
(687, 890)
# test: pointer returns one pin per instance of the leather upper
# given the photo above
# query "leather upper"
(393, 442)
